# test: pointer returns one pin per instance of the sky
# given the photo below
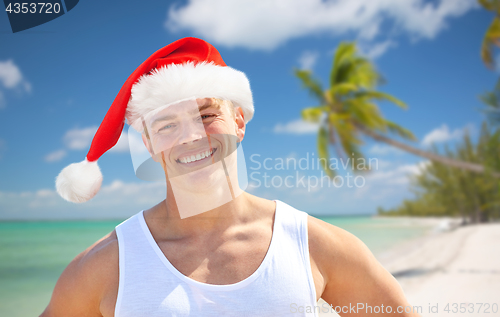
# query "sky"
(57, 81)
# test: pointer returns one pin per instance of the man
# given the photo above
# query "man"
(208, 249)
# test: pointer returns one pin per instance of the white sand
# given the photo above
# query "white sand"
(457, 266)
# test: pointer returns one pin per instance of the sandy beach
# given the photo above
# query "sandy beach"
(453, 271)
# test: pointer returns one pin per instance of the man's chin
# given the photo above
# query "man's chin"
(203, 180)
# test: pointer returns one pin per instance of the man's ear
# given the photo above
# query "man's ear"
(240, 123)
(148, 146)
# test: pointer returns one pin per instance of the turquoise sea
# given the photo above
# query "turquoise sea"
(34, 254)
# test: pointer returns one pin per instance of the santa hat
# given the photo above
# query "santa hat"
(186, 68)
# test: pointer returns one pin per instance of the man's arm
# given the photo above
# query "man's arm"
(81, 286)
(352, 275)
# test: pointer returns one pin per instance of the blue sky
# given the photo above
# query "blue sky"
(58, 80)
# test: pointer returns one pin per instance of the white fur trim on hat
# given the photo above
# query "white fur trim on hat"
(79, 182)
(176, 82)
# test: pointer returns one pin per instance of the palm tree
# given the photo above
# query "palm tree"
(347, 112)
(492, 35)
(490, 40)
(492, 102)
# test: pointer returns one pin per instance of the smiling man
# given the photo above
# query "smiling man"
(210, 248)
(197, 149)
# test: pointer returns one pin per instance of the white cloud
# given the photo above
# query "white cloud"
(374, 51)
(116, 200)
(45, 193)
(55, 156)
(308, 59)
(27, 86)
(397, 175)
(10, 75)
(11, 78)
(79, 139)
(414, 169)
(296, 127)
(443, 134)
(292, 154)
(266, 24)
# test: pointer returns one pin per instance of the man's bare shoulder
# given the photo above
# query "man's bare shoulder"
(334, 249)
(102, 250)
(327, 240)
(98, 259)
(350, 271)
(86, 279)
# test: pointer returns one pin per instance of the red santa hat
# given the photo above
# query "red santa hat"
(186, 68)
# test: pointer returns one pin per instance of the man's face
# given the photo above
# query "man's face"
(191, 138)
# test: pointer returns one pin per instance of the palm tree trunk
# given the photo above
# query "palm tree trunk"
(333, 140)
(431, 156)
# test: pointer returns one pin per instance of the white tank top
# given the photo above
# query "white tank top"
(151, 286)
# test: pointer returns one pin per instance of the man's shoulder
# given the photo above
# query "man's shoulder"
(86, 279)
(96, 264)
(334, 245)
(324, 232)
(323, 236)
(103, 250)
(347, 269)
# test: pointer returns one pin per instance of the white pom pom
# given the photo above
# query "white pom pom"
(79, 182)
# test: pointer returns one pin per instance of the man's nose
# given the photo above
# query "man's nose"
(191, 132)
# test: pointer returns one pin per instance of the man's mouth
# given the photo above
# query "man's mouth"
(196, 157)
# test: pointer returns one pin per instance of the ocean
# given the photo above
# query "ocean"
(34, 254)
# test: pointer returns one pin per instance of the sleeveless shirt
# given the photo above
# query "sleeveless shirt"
(150, 286)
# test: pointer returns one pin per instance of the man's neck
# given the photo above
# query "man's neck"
(234, 212)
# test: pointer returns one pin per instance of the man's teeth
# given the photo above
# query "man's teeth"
(197, 157)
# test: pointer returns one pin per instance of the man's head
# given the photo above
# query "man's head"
(196, 143)
(189, 68)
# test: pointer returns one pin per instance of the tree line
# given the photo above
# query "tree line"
(441, 190)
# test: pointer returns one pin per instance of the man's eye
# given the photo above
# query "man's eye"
(205, 116)
(166, 127)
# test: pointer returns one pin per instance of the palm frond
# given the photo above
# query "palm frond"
(313, 114)
(364, 73)
(358, 71)
(311, 84)
(399, 130)
(350, 143)
(343, 54)
(365, 113)
(490, 99)
(343, 89)
(490, 5)
(372, 94)
(348, 135)
(491, 39)
(492, 102)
